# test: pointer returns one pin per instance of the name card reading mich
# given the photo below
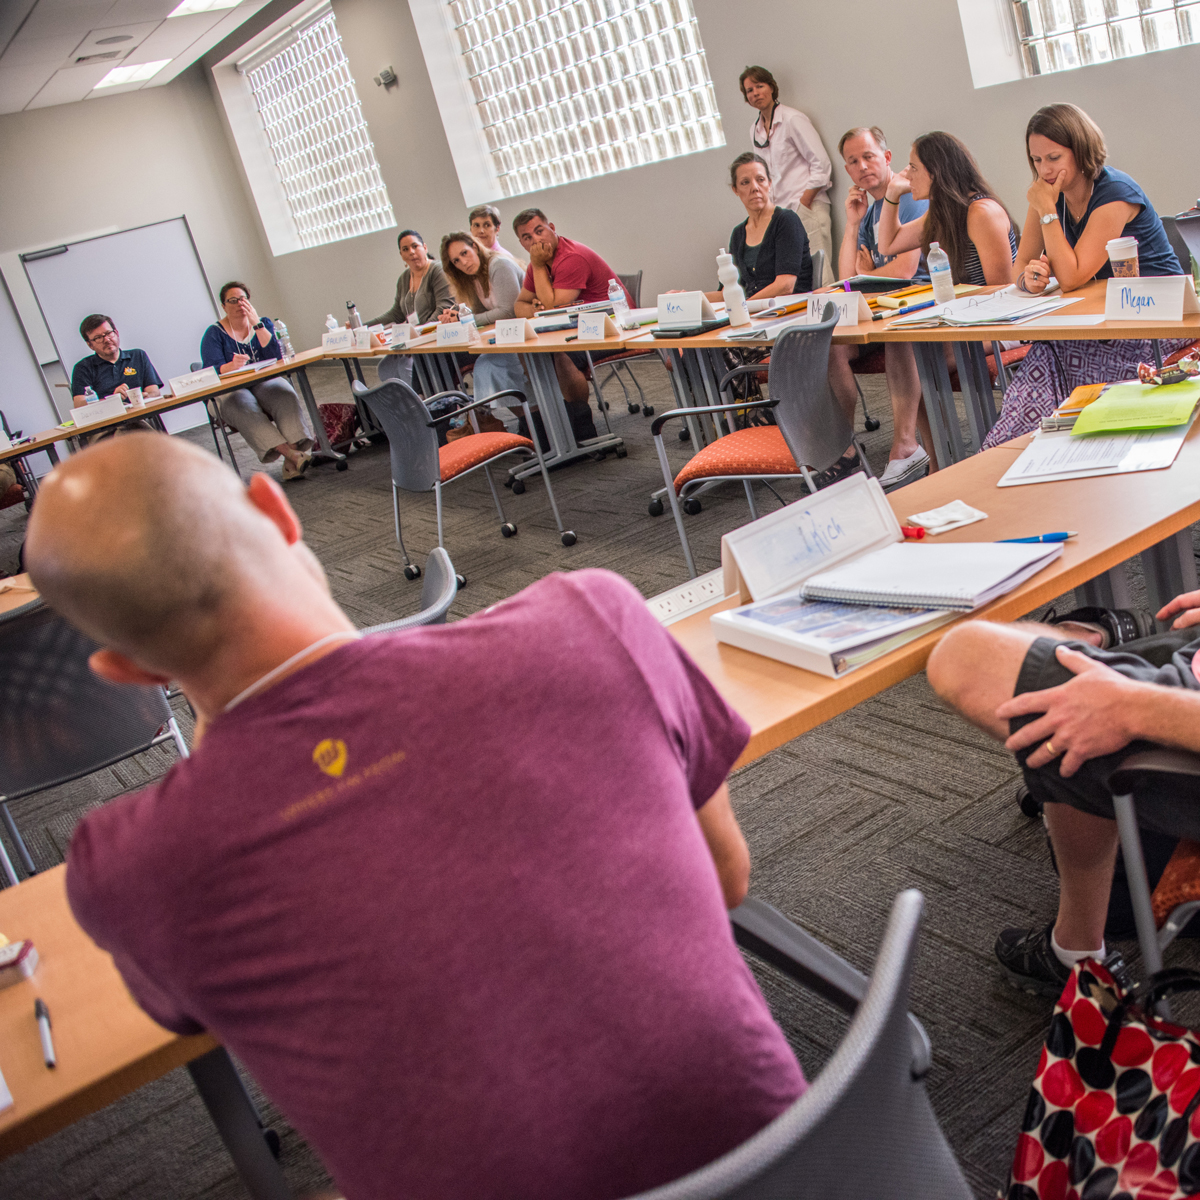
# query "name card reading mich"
(182, 384)
(596, 326)
(851, 308)
(512, 331)
(1150, 298)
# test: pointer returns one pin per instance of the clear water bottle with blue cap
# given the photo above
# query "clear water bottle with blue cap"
(616, 297)
(89, 395)
(939, 274)
(466, 316)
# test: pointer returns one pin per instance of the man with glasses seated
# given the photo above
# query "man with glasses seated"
(109, 370)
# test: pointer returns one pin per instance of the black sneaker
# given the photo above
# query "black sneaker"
(841, 469)
(1115, 625)
(1029, 961)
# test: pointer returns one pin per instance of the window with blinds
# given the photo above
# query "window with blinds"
(1060, 35)
(570, 89)
(318, 136)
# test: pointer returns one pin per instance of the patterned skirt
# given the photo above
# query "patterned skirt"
(1053, 370)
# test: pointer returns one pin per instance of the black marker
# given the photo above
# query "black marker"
(42, 1013)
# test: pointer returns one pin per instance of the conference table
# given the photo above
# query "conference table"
(1116, 516)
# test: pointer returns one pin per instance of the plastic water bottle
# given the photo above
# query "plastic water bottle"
(352, 315)
(734, 293)
(285, 341)
(939, 274)
(331, 322)
(466, 316)
(89, 395)
(616, 297)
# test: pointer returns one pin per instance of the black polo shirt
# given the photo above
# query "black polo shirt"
(132, 368)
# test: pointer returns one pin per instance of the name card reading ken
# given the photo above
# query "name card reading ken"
(338, 339)
(684, 308)
(1150, 298)
(851, 308)
(596, 326)
(514, 330)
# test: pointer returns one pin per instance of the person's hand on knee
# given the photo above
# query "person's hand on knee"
(1084, 718)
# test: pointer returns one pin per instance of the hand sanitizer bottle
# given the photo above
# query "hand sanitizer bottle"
(735, 295)
(939, 274)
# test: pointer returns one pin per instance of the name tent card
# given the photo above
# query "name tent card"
(1150, 298)
(684, 308)
(100, 410)
(338, 339)
(596, 326)
(852, 308)
(5, 443)
(362, 338)
(182, 384)
(512, 331)
(454, 333)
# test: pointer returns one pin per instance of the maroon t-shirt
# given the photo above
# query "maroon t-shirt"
(444, 893)
(578, 266)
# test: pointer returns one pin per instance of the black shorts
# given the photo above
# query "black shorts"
(1164, 659)
(580, 359)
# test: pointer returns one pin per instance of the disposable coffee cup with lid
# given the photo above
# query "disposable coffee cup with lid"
(1123, 254)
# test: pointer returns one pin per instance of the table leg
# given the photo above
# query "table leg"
(52, 454)
(314, 415)
(681, 386)
(232, 1112)
(939, 402)
(1169, 569)
(976, 388)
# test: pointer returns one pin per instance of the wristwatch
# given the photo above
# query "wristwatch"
(1049, 217)
(261, 325)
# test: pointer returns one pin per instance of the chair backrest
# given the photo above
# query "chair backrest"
(810, 419)
(58, 720)
(818, 267)
(437, 594)
(1179, 243)
(865, 1126)
(402, 415)
(196, 366)
(633, 285)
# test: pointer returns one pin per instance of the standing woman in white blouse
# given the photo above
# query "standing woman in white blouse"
(800, 169)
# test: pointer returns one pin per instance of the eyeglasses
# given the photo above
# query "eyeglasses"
(102, 337)
(235, 299)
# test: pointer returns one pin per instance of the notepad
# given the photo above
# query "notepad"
(961, 576)
(1127, 406)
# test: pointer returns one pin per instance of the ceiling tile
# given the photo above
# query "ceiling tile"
(70, 84)
(128, 11)
(48, 51)
(49, 20)
(19, 85)
(172, 38)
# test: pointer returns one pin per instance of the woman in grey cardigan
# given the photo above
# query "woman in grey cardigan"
(488, 283)
(422, 290)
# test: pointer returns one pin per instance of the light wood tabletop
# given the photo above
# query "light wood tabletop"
(106, 1046)
(1116, 516)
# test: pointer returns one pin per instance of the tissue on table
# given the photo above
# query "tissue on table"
(949, 516)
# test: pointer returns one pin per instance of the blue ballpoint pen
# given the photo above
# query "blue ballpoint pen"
(914, 308)
(1043, 537)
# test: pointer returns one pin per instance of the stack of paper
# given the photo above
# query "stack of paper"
(1126, 406)
(1000, 308)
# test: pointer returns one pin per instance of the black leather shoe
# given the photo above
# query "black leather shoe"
(1029, 961)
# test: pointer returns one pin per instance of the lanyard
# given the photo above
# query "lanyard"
(263, 680)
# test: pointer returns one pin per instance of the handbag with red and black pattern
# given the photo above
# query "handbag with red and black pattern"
(1113, 1113)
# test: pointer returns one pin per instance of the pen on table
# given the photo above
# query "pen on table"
(899, 312)
(42, 1014)
(570, 337)
(1043, 537)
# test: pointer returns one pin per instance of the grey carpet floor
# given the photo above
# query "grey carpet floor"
(896, 793)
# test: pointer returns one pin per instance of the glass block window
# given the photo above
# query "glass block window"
(318, 136)
(569, 89)
(1059, 35)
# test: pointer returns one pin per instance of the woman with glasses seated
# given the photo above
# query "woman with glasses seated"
(268, 414)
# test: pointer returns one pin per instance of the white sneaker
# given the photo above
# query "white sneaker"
(905, 470)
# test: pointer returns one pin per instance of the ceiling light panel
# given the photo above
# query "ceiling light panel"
(188, 7)
(138, 73)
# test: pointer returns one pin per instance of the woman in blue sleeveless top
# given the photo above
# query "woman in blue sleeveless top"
(1076, 206)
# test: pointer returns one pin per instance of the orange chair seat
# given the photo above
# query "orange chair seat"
(465, 453)
(1007, 357)
(1180, 881)
(759, 450)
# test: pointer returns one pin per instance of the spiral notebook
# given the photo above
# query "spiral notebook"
(960, 576)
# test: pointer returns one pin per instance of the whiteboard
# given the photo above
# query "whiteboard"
(149, 280)
(25, 397)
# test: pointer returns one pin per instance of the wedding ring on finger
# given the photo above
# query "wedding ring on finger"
(1051, 750)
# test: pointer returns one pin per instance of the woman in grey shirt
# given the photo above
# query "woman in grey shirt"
(422, 290)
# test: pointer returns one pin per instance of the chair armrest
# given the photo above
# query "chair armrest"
(470, 406)
(744, 369)
(1142, 765)
(708, 408)
(768, 934)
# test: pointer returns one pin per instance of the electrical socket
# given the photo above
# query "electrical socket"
(688, 598)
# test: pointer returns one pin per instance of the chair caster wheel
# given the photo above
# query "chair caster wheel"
(632, 407)
(412, 571)
(691, 507)
(1029, 806)
(647, 410)
(343, 465)
(604, 405)
(685, 435)
(461, 580)
(273, 1143)
(508, 529)
(655, 508)
(518, 487)
(568, 538)
(621, 452)
(872, 424)
(508, 483)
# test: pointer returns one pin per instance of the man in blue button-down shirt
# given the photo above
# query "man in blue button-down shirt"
(110, 370)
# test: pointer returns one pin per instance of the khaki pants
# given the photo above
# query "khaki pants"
(819, 227)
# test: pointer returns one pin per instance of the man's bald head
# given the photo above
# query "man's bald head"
(149, 545)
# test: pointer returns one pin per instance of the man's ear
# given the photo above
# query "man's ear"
(887, 157)
(116, 668)
(267, 496)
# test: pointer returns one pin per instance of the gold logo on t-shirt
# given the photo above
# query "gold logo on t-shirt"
(330, 756)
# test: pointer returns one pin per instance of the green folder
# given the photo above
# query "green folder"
(1130, 406)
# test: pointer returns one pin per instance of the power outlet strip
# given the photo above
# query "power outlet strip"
(688, 598)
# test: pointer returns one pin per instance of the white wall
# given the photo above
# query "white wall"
(144, 156)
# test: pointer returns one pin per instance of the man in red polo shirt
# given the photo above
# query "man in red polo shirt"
(563, 272)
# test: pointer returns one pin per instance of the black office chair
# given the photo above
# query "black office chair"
(58, 720)
(437, 594)
(865, 1127)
